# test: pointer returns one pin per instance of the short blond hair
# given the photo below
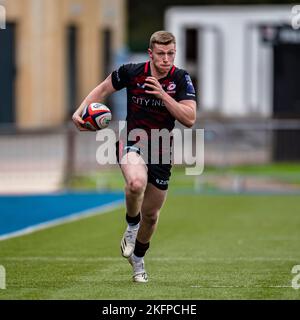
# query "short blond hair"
(161, 37)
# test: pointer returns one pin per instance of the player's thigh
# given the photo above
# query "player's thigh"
(133, 168)
(154, 199)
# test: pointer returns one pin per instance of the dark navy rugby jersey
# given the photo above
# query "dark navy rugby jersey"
(145, 111)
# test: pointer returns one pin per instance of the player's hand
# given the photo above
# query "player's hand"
(79, 123)
(156, 87)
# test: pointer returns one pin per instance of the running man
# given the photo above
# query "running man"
(158, 93)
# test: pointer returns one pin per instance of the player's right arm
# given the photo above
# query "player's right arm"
(98, 94)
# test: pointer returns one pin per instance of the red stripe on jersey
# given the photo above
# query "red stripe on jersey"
(146, 67)
(172, 70)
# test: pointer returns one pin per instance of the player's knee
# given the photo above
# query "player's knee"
(151, 217)
(136, 186)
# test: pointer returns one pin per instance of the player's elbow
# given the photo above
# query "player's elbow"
(191, 117)
(190, 122)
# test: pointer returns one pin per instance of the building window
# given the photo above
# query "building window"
(7, 74)
(191, 54)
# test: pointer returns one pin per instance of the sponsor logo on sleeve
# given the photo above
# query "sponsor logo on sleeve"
(190, 90)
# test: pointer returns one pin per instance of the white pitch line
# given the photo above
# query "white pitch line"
(163, 259)
(241, 287)
(67, 219)
(63, 259)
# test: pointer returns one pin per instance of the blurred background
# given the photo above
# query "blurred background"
(243, 58)
(231, 232)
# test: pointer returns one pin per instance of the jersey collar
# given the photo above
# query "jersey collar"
(147, 70)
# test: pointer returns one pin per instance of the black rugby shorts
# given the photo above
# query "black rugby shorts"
(158, 174)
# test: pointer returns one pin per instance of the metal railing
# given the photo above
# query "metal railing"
(45, 160)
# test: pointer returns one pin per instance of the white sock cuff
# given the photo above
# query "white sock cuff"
(136, 226)
(137, 259)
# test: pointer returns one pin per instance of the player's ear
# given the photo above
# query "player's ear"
(150, 53)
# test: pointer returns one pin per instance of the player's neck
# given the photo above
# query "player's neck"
(155, 73)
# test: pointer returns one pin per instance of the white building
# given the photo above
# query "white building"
(233, 67)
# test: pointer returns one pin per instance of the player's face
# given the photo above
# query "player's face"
(162, 57)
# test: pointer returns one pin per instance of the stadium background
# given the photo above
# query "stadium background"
(231, 232)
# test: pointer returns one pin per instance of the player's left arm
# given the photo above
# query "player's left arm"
(184, 110)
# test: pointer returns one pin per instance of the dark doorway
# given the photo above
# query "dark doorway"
(286, 81)
(286, 100)
(107, 61)
(71, 65)
(7, 74)
(191, 54)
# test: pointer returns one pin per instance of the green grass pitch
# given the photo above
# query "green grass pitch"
(205, 247)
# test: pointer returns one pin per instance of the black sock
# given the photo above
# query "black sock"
(140, 248)
(132, 221)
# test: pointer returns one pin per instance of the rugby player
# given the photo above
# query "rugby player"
(158, 94)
